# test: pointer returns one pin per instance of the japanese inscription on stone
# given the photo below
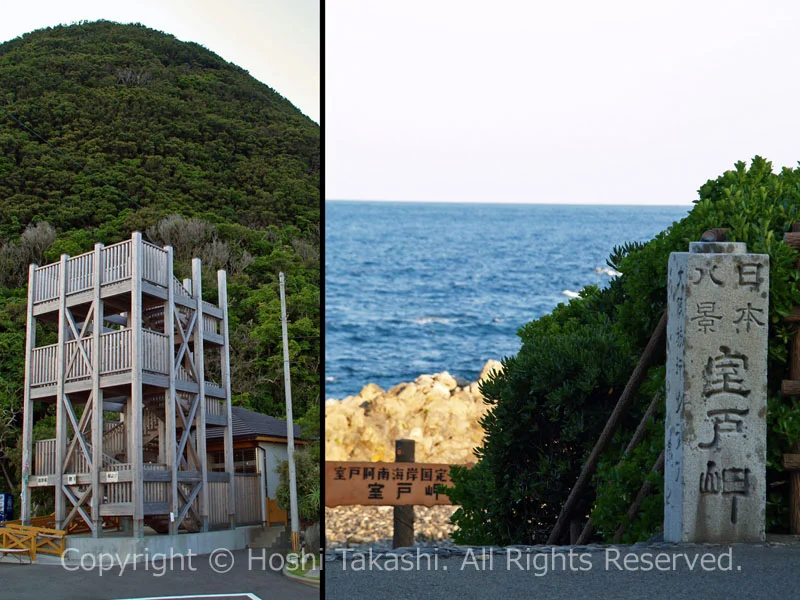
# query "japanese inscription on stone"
(715, 456)
(386, 483)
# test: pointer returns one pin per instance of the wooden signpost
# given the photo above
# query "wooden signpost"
(385, 484)
(402, 484)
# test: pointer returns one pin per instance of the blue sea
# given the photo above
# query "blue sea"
(414, 288)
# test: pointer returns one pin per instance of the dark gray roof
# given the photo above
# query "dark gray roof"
(247, 423)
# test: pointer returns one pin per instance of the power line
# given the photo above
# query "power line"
(68, 157)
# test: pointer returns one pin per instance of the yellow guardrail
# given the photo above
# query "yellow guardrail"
(36, 540)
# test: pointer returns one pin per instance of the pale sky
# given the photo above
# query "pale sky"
(556, 102)
(277, 41)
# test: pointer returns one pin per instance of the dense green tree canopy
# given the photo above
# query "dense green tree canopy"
(106, 129)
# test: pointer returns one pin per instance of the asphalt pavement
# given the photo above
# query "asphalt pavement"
(641, 572)
(241, 576)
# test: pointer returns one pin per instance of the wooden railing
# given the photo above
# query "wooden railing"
(113, 445)
(183, 374)
(80, 273)
(215, 406)
(154, 264)
(120, 492)
(156, 491)
(116, 357)
(118, 467)
(78, 463)
(115, 351)
(210, 324)
(248, 494)
(114, 438)
(44, 366)
(117, 262)
(45, 457)
(78, 368)
(36, 540)
(178, 288)
(46, 283)
(156, 351)
(116, 266)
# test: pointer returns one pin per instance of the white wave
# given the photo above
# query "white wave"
(330, 379)
(429, 320)
(609, 272)
(571, 294)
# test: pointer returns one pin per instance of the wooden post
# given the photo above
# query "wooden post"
(97, 393)
(135, 450)
(199, 365)
(403, 515)
(638, 435)
(61, 416)
(27, 407)
(170, 398)
(637, 502)
(287, 384)
(794, 475)
(261, 461)
(225, 362)
(656, 342)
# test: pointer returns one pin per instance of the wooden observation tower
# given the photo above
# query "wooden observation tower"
(141, 369)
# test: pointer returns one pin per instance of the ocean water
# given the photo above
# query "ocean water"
(414, 288)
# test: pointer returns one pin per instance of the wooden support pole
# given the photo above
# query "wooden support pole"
(261, 461)
(637, 502)
(788, 388)
(199, 365)
(638, 435)
(170, 397)
(403, 515)
(27, 406)
(135, 455)
(97, 393)
(61, 413)
(225, 362)
(623, 404)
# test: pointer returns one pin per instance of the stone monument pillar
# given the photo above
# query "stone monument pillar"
(716, 433)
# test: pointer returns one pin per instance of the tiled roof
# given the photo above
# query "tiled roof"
(247, 423)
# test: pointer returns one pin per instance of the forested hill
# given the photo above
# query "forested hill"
(170, 124)
(108, 128)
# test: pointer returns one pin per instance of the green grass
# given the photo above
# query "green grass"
(294, 567)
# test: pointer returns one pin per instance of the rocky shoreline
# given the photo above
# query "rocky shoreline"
(440, 412)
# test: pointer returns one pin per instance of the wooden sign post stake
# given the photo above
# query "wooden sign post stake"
(403, 515)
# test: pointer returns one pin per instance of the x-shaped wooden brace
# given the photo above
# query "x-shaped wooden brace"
(78, 427)
(187, 421)
(189, 500)
(77, 506)
(79, 338)
(185, 335)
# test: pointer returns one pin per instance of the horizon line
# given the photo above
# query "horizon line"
(508, 202)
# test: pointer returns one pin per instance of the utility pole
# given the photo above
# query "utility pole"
(289, 427)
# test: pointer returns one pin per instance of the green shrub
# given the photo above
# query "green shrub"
(307, 476)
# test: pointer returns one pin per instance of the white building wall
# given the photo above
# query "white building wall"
(275, 454)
